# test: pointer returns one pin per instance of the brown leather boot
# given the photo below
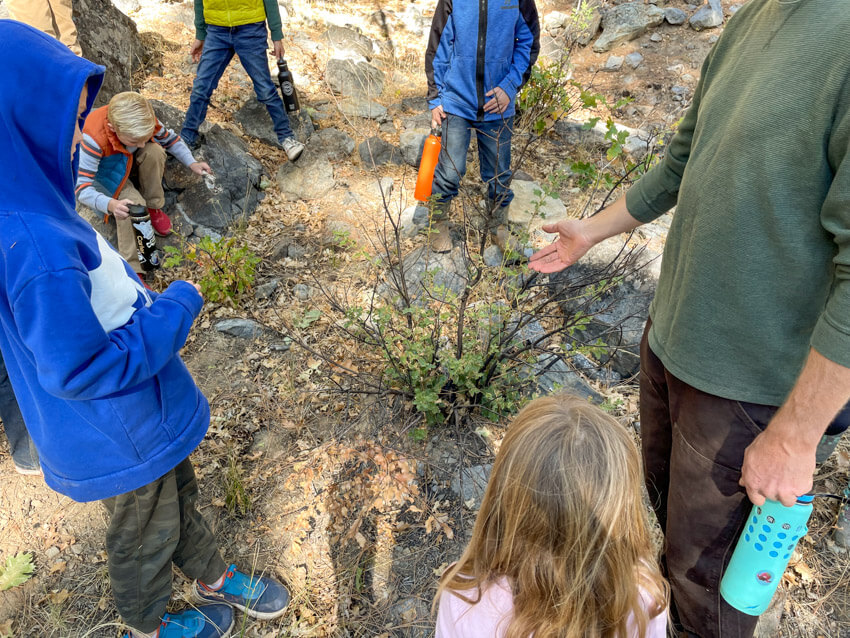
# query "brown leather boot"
(440, 237)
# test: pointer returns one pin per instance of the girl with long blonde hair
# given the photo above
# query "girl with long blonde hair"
(561, 545)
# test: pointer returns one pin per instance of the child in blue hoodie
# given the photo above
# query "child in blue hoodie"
(93, 358)
(472, 85)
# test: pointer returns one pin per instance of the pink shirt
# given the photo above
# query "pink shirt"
(490, 616)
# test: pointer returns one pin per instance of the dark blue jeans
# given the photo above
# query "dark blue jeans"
(494, 157)
(21, 446)
(249, 42)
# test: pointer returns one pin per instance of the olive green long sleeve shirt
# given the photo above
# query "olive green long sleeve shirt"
(756, 268)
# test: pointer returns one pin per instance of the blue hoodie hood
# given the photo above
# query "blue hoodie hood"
(38, 105)
(92, 356)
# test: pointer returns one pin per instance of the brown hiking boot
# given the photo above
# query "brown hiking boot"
(506, 240)
(440, 237)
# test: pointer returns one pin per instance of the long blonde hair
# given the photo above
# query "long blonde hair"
(562, 519)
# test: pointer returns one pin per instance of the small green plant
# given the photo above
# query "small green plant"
(226, 269)
(235, 495)
(16, 571)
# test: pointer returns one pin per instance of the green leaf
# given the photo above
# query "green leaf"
(17, 570)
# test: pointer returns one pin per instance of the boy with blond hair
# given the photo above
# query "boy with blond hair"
(122, 161)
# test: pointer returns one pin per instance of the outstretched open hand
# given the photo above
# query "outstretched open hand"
(570, 246)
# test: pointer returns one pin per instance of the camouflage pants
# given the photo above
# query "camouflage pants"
(150, 528)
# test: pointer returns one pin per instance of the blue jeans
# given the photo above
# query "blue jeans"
(494, 158)
(249, 42)
(21, 446)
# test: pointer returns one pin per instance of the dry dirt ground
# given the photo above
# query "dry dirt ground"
(329, 490)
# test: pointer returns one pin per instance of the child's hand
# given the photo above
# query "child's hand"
(195, 50)
(277, 45)
(499, 102)
(119, 208)
(437, 116)
(197, 287)
(200, 168)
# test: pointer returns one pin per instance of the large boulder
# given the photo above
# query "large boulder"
(354, 79)
(617, 314)
(331, 143)
(110, 38)
(256, 122)
(376, 152)
(627, 22)
(346, 43)
(231, 192)
(309, 178)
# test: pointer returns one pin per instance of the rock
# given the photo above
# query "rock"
(351, 79)
(594, 21)
(618, 314)
(280, 250)
(574, 132)
(471, 484)
(387, 128)
(553, 374)
(242, 328)
(331, 143)
(613, 63)
(309, 178)
(376, 152)
(302, 292)
(348, 44)
(520, 175)
(435, 272)
(421, 215)
(362, 107)
(127, 6)
(110, 38)
(256, 122)
(420, 122)
(406, 613)
(634, 59)
(656, 37)
(524, 208)
(708, 16)
(297, 251)
(416, 105)
(409, 225)
(627, 22)
(492, 256)
(266, 290)
(214, 201)
(381, 190)
(675, 16)
(411, 144)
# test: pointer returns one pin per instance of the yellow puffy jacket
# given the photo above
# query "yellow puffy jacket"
(233, 13)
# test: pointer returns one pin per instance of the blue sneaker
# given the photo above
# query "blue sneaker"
(260, 597)
(207, 621)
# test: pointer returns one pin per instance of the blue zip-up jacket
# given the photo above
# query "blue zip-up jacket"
(91, 354)
(475, 46)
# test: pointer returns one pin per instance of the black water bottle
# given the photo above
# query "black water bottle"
(149, 256)
(287, 87)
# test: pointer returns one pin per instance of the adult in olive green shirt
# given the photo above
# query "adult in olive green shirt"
(746, 358)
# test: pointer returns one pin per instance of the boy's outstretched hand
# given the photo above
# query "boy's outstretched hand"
(195, 50)
(200, 168)
(499, 101)
(570, 246)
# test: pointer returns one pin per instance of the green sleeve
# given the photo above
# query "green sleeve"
(831, 336)
(200, 23)
(273, 18)
(657, 191)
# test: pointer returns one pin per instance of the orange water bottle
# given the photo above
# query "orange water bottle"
(430, 154)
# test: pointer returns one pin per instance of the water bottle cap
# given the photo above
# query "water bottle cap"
(805, 498)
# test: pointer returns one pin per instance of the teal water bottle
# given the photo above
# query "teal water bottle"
(762, 554)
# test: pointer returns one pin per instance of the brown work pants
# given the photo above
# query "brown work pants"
(149, 166)
(54, 17)
(693, 448)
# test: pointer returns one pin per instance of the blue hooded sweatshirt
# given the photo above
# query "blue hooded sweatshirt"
(91, 354)
(475, 46)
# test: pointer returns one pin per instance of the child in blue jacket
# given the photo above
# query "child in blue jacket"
(473, 82)
(93, 358)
